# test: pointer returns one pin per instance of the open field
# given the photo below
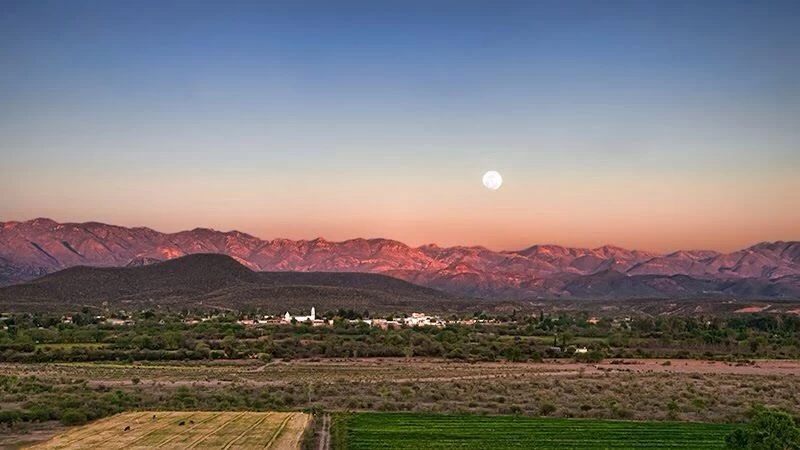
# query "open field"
(691, 390)
(196, 429)
(376, 370)
(462, 431)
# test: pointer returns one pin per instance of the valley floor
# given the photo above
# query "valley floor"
(629, 389)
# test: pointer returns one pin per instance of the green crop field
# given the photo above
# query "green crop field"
(461, 431)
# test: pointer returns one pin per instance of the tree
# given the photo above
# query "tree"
(768, 430)
(567, 337)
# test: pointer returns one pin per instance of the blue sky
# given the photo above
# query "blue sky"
(299, 118)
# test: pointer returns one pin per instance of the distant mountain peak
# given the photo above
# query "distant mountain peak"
(42, 222)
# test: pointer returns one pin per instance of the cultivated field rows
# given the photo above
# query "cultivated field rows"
(399, 431)
(182, 430)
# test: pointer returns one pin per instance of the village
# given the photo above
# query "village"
(415, 319)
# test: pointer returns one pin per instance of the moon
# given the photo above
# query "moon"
(492, 180)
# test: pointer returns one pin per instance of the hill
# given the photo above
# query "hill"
(217, 281)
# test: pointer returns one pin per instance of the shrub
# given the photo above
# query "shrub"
(547, 408)
(73, 417)
(10, 416)
(39, 414)
(593, 356)
(769, 429)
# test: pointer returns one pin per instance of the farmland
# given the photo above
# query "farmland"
(447, 431)
(56, 374)
(196, 429)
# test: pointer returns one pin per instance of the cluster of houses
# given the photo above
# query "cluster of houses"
(416, 319)
(69, 319)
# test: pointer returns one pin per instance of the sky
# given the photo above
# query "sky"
(656, 125)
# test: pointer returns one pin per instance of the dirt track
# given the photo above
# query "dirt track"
(386, 369)
(325, 433)
(758, 367)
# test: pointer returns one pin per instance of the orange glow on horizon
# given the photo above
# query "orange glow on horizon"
(637, 211)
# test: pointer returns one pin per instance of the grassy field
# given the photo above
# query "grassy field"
(159, 429)
(462, 431)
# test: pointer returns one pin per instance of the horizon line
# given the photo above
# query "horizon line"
(431, 244)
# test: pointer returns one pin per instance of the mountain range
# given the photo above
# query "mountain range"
(34, 248)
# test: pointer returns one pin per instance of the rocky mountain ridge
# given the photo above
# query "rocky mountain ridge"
(771, 269)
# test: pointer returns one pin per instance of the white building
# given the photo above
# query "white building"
(288, 317)
(421, 319)
(119, 322)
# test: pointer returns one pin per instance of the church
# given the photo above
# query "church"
(288, 317)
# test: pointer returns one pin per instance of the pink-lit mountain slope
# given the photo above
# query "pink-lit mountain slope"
(769, 270)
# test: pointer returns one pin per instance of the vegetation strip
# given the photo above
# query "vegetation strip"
(224, 424)
(278, 431)
(166, 424)
(243, 433)
(135, 419)
(187, 430)
(80, 437)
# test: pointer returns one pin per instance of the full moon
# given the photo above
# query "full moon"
(492, 180)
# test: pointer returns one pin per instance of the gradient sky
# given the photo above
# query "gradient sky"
(646, 124)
